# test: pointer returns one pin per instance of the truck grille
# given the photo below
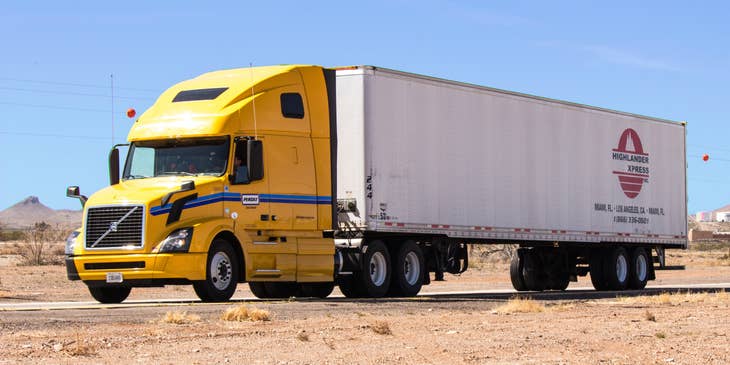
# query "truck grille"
(115, 227)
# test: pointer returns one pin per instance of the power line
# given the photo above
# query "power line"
(709, 147)
(72, 84)
(54, 107)
(31, 134)
(711, 181)
(73, 93)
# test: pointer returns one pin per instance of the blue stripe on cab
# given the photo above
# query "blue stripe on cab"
(229, 197)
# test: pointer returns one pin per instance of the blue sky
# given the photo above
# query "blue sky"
(666, 59)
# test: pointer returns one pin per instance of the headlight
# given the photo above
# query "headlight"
(71, 242)
(177, 241)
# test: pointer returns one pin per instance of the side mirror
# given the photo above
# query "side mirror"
(72, 191)
(114, 163)
(75, 192)
(255, 153)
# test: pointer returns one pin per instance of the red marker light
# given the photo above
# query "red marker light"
(131, 112)
(705, 157)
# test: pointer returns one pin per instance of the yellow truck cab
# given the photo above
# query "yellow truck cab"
(227, 179)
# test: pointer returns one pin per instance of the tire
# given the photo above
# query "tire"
(376, 270)
(639, 272)
(281, 290)
(110, 294)
(408, 270)
(221, 274)
(258, 289)
(596, 268)
(616, 268)
(559, 282)
(316, 290)
(532, 271)
(350, 286)
(515, 272)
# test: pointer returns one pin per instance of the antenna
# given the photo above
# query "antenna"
(112, 84)
(253, 103)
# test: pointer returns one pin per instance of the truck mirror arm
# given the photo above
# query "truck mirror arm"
(74, 192)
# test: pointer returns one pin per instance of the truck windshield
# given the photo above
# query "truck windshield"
(192, 156)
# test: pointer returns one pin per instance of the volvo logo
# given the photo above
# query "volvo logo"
(113, 226)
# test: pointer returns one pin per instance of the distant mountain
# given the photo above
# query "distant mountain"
(30, 211)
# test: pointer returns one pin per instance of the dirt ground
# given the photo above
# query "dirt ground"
(553, 328)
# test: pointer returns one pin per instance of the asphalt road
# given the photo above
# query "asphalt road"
(454, 297)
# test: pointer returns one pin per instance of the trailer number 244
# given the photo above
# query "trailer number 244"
(369, 186)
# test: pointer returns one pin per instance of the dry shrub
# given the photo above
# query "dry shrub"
(660, 335)
(179, 317)
(381, 328)
(677, 298)
(520, 305)
(561, 307)
(722, 296)
(650, 316)
(243, 313)
(40, 245)
(303, 336)
(80, 347)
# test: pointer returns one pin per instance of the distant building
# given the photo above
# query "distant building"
(723, 217)
(703, 216)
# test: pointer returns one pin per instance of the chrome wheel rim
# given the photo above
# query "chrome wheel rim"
(221, 270)
(641, 268)
(411, 268)
(378, 269)
(622, 268)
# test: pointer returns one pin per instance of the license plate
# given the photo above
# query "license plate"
(114, 277)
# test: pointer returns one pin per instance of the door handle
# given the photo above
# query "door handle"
(264, 217)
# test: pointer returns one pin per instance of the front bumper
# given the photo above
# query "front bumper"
(138, 268)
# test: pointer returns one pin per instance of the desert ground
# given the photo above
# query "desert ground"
(666, 325)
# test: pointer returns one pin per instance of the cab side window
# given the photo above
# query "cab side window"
(292, 105)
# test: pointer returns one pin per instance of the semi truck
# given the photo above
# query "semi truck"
(296, 179)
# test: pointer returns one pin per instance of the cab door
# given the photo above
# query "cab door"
(247, 204)
(243, 196)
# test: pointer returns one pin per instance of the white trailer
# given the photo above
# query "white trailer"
(443, 164)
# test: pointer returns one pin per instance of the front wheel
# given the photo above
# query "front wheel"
(221, 274)
(110, 294)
